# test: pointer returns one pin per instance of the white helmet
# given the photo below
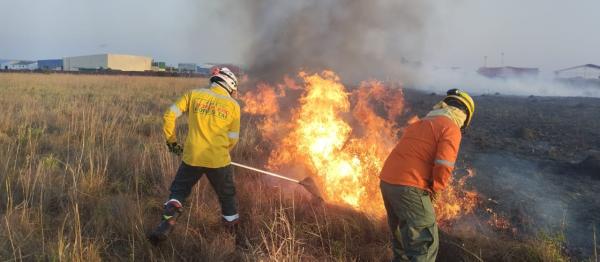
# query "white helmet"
(225, 78)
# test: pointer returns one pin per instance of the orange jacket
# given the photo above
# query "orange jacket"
(424, 157)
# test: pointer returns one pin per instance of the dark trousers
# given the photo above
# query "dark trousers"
(412, 223)
(221, 180)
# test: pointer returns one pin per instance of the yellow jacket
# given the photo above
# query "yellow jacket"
(214, 126)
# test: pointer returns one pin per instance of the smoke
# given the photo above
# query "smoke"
(441, 80)
(356, 39)
(537, 196)
(359, 40)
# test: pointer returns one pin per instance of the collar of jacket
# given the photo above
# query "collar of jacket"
(455, 114)
(219, 89)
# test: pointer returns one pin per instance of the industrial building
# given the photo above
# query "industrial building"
(159, 66)
(107, 62)
(186, 68)
(5, 63)
(584, 72)
(19, 65)
(506, 72)
(50, 64)
(204, 69)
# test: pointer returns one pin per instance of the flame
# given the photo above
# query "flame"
(321, 141)
(255, 101)
(456, 200)
(341, 136)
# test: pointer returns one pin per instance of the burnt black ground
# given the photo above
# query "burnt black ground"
(536, 159)
(564, 129)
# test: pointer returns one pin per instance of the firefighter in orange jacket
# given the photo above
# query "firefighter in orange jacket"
(419, 167)
(213, 130)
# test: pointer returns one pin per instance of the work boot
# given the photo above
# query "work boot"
(172, 210)
(231, 226)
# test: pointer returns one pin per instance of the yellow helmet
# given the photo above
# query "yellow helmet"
(466, 100)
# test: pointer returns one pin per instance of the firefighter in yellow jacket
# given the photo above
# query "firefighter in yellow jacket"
(214, 126)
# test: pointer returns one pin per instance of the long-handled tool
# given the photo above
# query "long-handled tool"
(308, 183)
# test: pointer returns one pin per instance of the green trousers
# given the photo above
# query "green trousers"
(412, 222)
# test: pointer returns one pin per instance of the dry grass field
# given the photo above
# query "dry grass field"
(84, 172)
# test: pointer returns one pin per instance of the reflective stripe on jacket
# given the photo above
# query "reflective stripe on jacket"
(214, 126)
(425, 156)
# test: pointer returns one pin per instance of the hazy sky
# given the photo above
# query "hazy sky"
(548, 34)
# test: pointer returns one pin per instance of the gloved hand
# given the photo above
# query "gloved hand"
(175, 148)
(434, 197)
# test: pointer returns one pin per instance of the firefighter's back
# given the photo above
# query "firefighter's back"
(212, 119)
(412, 160)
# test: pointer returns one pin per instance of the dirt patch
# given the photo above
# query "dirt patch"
(526, 133)
(556, 128)
(590, 165)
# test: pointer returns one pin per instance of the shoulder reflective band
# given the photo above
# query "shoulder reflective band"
(231, 218)
(175, 110)
(233, 135)
(444, 162)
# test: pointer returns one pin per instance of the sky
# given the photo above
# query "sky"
(548, 34)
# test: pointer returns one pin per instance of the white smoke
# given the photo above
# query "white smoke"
(441, 80)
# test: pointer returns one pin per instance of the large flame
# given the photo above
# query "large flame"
(339, 135)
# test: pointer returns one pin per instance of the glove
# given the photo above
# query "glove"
(175, 148)
(434, 197)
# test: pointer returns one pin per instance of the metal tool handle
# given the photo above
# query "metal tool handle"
(265, 172)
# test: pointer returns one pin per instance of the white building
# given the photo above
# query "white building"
(20, 65)
(5, 63)
(107, 61)
(584, 72)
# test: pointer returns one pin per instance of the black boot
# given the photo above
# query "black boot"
(231, 226)
(172, 210)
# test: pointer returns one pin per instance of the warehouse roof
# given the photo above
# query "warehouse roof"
(25, 62)
(575, 67)
(507, 71)
(109, 54)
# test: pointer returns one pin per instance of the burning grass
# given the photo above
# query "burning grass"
(84, 173)
(342, 136)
